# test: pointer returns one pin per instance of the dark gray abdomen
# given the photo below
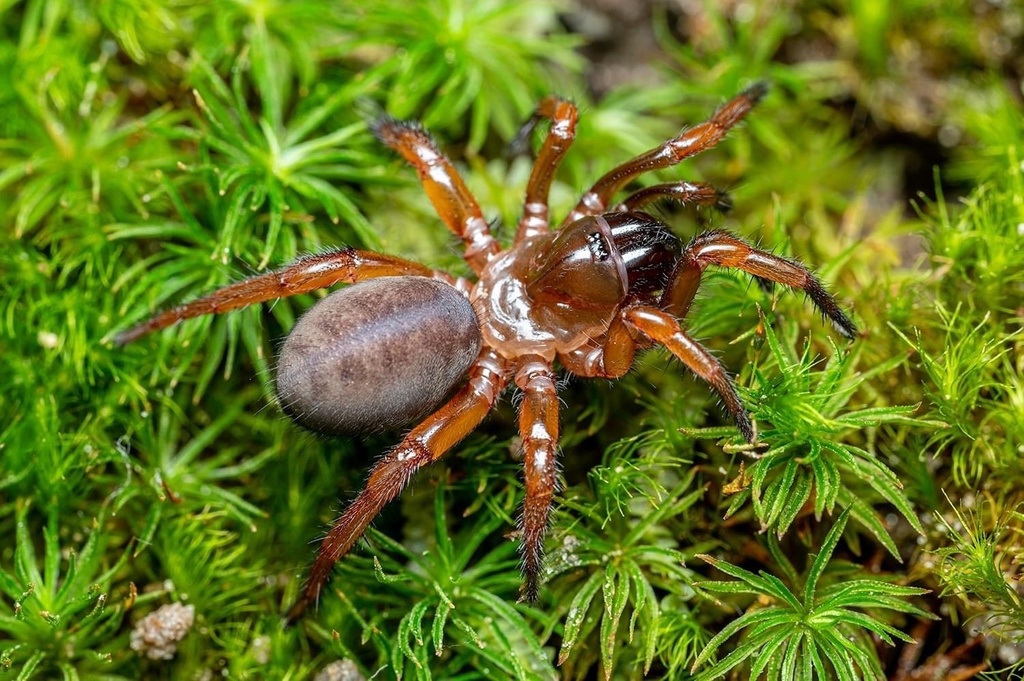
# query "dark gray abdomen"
(377, 356)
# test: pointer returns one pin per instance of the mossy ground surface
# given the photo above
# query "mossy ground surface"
(152, 151)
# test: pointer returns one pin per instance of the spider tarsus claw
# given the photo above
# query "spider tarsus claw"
(520, 144)
(845, 326)
(295, 613)
(757, 91)
(828, 306)
(125, 337)
(389, 131)
(529, 591)
(746, 427)
(724, 202)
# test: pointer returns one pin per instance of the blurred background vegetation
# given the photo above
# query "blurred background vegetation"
(156, 509)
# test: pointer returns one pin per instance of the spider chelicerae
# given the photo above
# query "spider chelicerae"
(390, 351)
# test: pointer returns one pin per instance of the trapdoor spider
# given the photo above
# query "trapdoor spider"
(611, 280)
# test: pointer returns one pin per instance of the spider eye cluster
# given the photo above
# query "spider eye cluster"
(599, 248)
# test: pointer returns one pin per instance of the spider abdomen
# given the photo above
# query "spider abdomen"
(377, 356)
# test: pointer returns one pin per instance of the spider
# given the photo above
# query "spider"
(391, 350)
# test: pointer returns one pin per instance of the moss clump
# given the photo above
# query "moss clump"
(150, 152)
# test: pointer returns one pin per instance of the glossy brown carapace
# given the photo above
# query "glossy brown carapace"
(608, 281)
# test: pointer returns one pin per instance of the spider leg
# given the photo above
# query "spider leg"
(306, 274)
(724, 250)
(563, 116)
(444, 186)
(689, 143)
(538, 427)
(609, 356)
(664, 329)
(696, 193)
(425, 444)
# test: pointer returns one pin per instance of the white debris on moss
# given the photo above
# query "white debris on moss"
(157, 634)
(260, 649)
(342, 670)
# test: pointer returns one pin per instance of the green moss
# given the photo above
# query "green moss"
(150, 152)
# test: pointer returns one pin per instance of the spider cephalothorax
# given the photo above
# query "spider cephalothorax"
(610, 280)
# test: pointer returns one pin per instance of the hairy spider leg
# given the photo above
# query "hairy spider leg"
(308, 273)
(664, 329)
(696, 193)
(425, 444)
(689, 143)
(563, 115)
(538, 428)
(725, 250)
(444, 187)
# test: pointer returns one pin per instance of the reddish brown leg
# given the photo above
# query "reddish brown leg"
(563, 115)
(724, 250)
(608, 357)
(444, 186)
(425, 444)
(691, 142)
(696, 193)
(302, 276)
(538, 427)
(663, 328)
